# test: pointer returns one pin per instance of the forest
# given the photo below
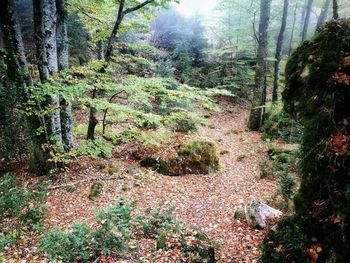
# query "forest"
(173, 131)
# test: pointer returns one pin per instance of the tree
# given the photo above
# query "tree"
(279, 51)
(335, 9)
(62, 60)
(45, 36)
(256, 113)
(18, 74)
(307, 19)
(122, 12)
(323, 15)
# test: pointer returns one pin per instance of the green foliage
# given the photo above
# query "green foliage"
(286, 186)
(21, 209)
(280, 125)
(19, 202)
(288, 244)
(72, 245)
(317, 93)
(116, 228)
(80, 243)
(184, 121)
(96, 149)
(3, 242)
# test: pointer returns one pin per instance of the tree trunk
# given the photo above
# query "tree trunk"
(256, 113)
(93, 121)
(293, 29)
(307, 19)
(17, 72)
(45, 30)
(323, 15)
(111, 39)
(279, 51)
(335, 10)
(62, 58)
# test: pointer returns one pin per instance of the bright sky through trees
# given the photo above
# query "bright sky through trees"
(192, 7)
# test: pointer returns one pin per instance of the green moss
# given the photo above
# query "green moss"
(320, 101)
(200, 156)
(195, 158)
(95, 191)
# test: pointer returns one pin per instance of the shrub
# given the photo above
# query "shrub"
(95, 148)
(183, 122)
(21, 203)
(280, 125)
(81, 243)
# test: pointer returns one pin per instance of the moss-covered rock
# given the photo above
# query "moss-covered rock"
(195, 158)
(199, 157)
(318, 94)
(95, 191)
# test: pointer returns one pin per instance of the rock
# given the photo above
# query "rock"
(197, 157)
(257, 213)
(95, 191)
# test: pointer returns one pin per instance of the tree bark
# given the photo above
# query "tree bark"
(17, 72)
(307, 20)
(93, 121)
(256, 113)
(335, 10)
(279, 51)
(62, 60)
(45, 30)
(323, 15)
(111, 39)
(293, 29)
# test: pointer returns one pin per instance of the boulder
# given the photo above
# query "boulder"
(257, 213)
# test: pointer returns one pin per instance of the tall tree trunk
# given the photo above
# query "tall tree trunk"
(323, 15)
(256, 113)
(335, 9)
(45, 30)
(293, 29)
(93, 121)
(111, 39)
(279, 51)
(17, 72)
(62, 59)
(307, 20)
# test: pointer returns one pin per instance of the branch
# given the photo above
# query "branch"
(135, 8)
(72, 184)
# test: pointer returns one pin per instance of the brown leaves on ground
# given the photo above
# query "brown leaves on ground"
(206, 201)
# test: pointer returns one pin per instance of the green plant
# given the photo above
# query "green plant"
(286, 186)
(96, 149)
(3, 242)
(80, 243)
(19, 202)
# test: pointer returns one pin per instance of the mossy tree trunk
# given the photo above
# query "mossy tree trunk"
(318, 94)
(256, 113)
(17, 72)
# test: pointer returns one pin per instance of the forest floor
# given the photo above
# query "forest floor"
(205, 201)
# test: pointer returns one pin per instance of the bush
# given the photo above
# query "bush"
(183, 122)
(95, 148)
(21, 203)
(116, 228)
(280, 125)
(81, 243)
